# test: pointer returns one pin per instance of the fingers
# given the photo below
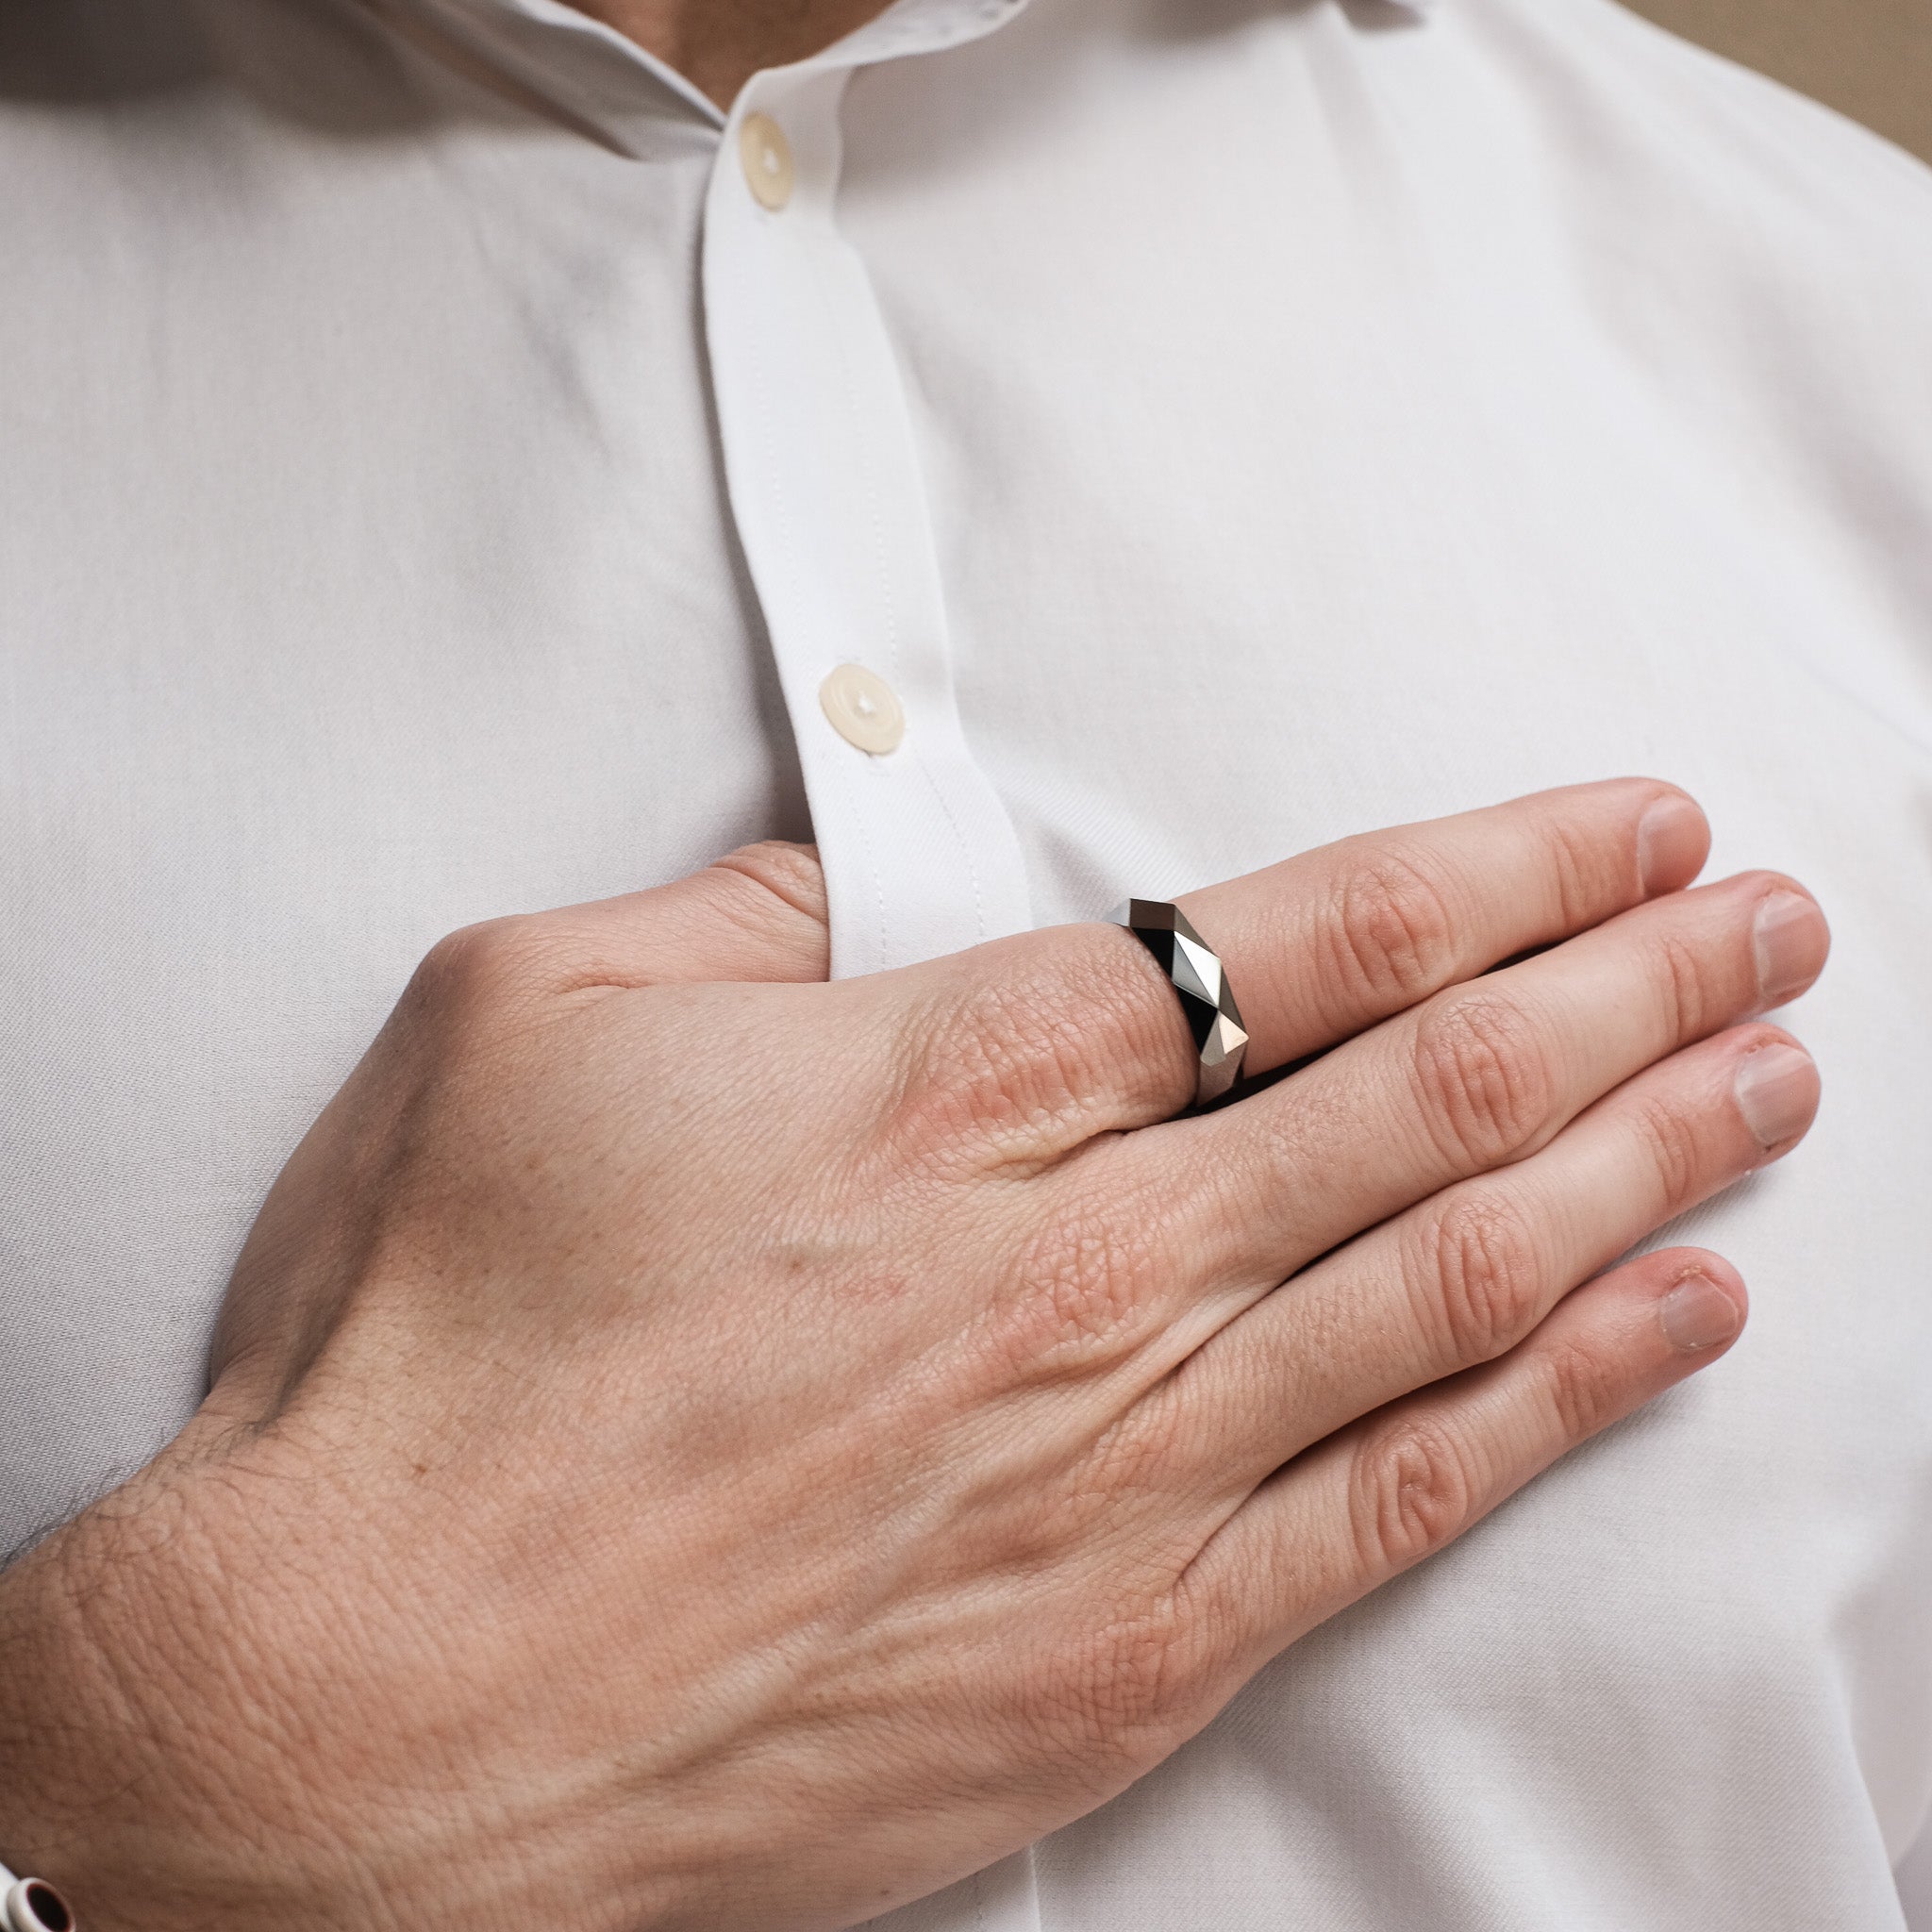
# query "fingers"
(1317, 948)
(1399, 1484)
(1325, 944)
(757, 913)
(1475, 1079)
(1469, 1274)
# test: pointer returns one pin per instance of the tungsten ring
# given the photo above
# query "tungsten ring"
(1200, 980)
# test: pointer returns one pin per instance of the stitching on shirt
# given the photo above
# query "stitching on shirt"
(972, 871)
(788, 550)
(942, 642)
(839, 336)
(854, 414)
(879, 884)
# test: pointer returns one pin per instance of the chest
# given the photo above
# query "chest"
(1243, 545)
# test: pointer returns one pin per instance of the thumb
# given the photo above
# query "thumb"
(757, 913)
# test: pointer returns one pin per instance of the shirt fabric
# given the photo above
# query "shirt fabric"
(433, 485)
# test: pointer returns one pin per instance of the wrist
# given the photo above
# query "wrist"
(190, 1738)
(124, 1771)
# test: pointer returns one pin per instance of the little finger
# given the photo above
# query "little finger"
(1396, 1486)
(1463, 1277)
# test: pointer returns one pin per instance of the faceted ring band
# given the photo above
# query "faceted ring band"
(1200, 980)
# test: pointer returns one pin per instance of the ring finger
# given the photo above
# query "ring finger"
(1394, 1487)
(1465, 1276)
(1473, 1080)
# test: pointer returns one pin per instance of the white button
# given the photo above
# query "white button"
(863, 708)
(767, 158)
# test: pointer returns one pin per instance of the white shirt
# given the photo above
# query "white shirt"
(433, 483)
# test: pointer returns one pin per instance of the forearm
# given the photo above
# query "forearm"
(192, 1738)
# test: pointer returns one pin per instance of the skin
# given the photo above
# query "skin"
(719, 45)
(695, 1446)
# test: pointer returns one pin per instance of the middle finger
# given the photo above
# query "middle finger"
(1462, 1279)
(1479, 1076)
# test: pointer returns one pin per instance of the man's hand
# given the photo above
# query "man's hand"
(693, 1446)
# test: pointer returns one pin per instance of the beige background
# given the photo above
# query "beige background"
(1871, 58)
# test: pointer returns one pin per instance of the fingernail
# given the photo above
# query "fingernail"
(1669, 843)
(1784, 935)
(1696, 1314)
(1777, 1091)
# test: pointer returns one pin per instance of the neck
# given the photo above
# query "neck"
(719, 45)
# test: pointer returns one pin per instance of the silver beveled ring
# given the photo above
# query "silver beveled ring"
(1200, 981)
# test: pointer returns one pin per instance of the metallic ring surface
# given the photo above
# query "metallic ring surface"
(1200, 980)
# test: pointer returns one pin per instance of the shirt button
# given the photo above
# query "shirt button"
(863, 708)
(766, 155)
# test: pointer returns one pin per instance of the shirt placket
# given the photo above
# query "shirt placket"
(831, 509)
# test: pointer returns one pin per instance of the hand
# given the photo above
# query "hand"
(692, 1446)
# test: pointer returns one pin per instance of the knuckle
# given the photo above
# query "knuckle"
(779, 869)
(997, 1072)
(480, 968)
(1024, 1063)
(1580, 873)
(1484, 1274)
(1680, 972)
(1118, 1693)
(1412, 1490)
(1131, 1036)
(1482, 1078)
(1585, 1388)
(1667, 1131)
(1083, 1293)
(1393, 930)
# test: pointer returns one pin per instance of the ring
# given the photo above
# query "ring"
(1201, 981)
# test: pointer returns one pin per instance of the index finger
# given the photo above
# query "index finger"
(1080, 1027)
(1328, 943)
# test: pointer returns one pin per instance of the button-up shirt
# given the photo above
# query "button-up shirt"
(448, 467)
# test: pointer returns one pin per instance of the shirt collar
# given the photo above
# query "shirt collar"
(591, 74)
